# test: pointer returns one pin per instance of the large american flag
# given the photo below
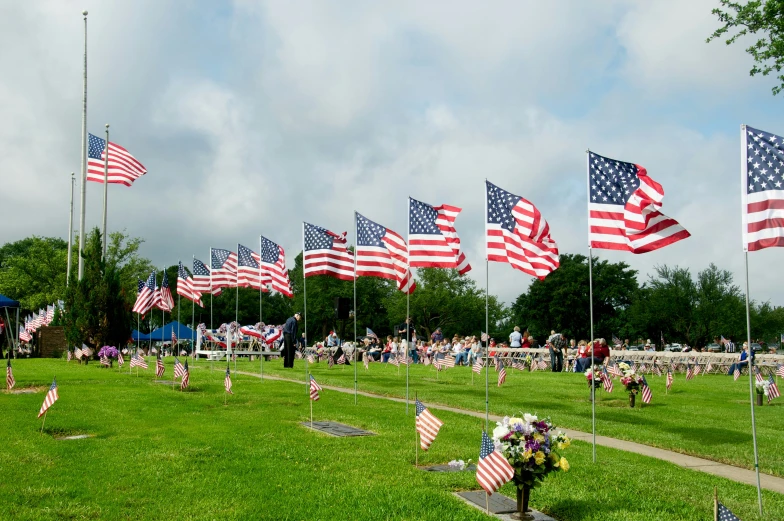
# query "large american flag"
(517, 233)
(624, 206)
(273, 267)
(492, 469)
(432, 238)
(148, 296)
(314, 389)
(185, 286)
(427, 425)
(123, 167)
(227, 381)
(9, 374)
(224, 268)
(166, 302)
(248, 269)
(326, 253)
(762, 182)
(201, 278)
(51, 397)
(382, 253)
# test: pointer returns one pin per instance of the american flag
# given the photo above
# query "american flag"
(497, 362)
(762, 192)
(448, 362)
(104, 360)
(273, 268)
(646, 391)
(501, 375)
(382, 253)
(185, 286)
(725, 514)
(427, 425)
(186, 376)
(179, 370)
(77, 353)
(227, 381)
(709, 367)
(201, 278)
(518, 234)
(606, 381)
(326, 253)
(773, 389)
(341, 360)
(697, 369)
(120, 359)
(314, 389)
(657, 370)
(478, 365)
(50, 398)
(166, 302)
(24, 336)
(394, 361)
(432, 238)
(780, 370)
(492, 469)
(366, 361)
(311, 359)
(273, 334)
(174, 339)
(138, 361)
(690, 372)
(330, 360)
(616, 341)
(669, 378)
(519, 365)
(248, 269)
(426, 360)
(624, 208)
(123, 168)
(251, 331)
(736, 373)
(224, 268)
(69, 356)
(405, 360)
(148, 296)
(542, 364)
(49, 314)
(758, 376)
(159, 367)
(9, 374)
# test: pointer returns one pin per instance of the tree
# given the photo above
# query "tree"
(561, 301)
(32, 271)
(764, 17)
(123, 253)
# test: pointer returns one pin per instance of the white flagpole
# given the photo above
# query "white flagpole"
(743, 177)
(105, 188)
(355, 307)
(590, 305)
(305, 305)
(261, 347)
(83, 153)
(209, 260)
(487, 325)
(70, 234)
(193, 322)
(408, 294)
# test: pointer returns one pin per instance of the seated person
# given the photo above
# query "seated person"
(387, 350)
(459, 352)
(742, 361)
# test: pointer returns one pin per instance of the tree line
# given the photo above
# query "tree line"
(672, 302)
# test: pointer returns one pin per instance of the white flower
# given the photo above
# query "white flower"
(500, 431)
(530, 418)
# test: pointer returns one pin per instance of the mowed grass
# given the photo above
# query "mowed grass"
(160, 453)
(708, 416)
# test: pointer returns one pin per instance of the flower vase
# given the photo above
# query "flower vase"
(759, 398)
(632, 398)
(523, 494)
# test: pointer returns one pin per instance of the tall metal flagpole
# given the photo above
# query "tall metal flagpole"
(408, 294)
(193, 321)
(236, 319)
(83, 153)
(209, 259)
(355, 307)
(261, 329)
(70, 234)
(590, 305)
(305, 301)
(744, 229)
(105, 187)
(487, 325)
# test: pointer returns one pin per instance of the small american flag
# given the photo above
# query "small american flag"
(497, 362)
(725, 514)
(159, 367)
(9, 374)
(433, 240)
(77, 353)
(643, 368)
(709, 367)
(123, 168)
(427, 425)
(492, 470)
(438, 364)
(501, 375)
(426, 360)
(326, 253)
(186, 376)
(341, 359)
(780, 370)
(646, 391)
(298, 355)
(314, 389)
(762, 194)
(138, 361)
(120, 359)
(104, 360)
(736, 373)
(405, 360)
(382, 253)
(542, 365)
(657, 370)
(669, 379)
(478, 365)
(50, 398)
(179, 370)
(773, 389)
(311, 359)
(697, 369)
(69, 356)
(690, 372)
(519, 365)
(448, 362)
(330, 361)
(606, 381)
(758, 376)
(366, 361)
(227, 381)
(394, 361)
(624, 208)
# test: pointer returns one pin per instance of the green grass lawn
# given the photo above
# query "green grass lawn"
(164, 454)
(708, 416)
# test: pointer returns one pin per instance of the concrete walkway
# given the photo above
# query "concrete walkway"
(741, 475)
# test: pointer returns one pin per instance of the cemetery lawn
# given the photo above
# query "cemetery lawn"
(160, 453)
(708, 416)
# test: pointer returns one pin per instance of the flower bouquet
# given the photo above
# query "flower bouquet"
(631, 381)
(108, 353)
(533, 448)
(594, 375)
(763, 389)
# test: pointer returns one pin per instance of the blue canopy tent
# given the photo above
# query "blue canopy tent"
(164, 334)
(6, 304)
(136, 336)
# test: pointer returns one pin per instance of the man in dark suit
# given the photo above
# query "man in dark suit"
(289, 337)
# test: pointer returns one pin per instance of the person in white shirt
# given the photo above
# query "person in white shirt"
(458, 352)
(394, 350)
(516, 338)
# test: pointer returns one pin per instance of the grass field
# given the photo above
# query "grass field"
(160, 453)
(708, 416)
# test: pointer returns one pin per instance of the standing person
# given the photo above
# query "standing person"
(516, 338)
(557, 344)
(289, 334)
(407, 334)
(437, 335)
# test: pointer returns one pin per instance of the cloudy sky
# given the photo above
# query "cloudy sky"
(253, 116)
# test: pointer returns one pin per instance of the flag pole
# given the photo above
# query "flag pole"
(70, 234)
(355, 307)
(744, 229)
(193, 323)
(305, 312)
(212, 361)
(261, 283)
(408, 296)
(44, 422)
(715, 503)
(416, 439)
(487, 326)
(590, 306)
(163, 316)
(83, 153)
(105, 188)
(310, 399)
